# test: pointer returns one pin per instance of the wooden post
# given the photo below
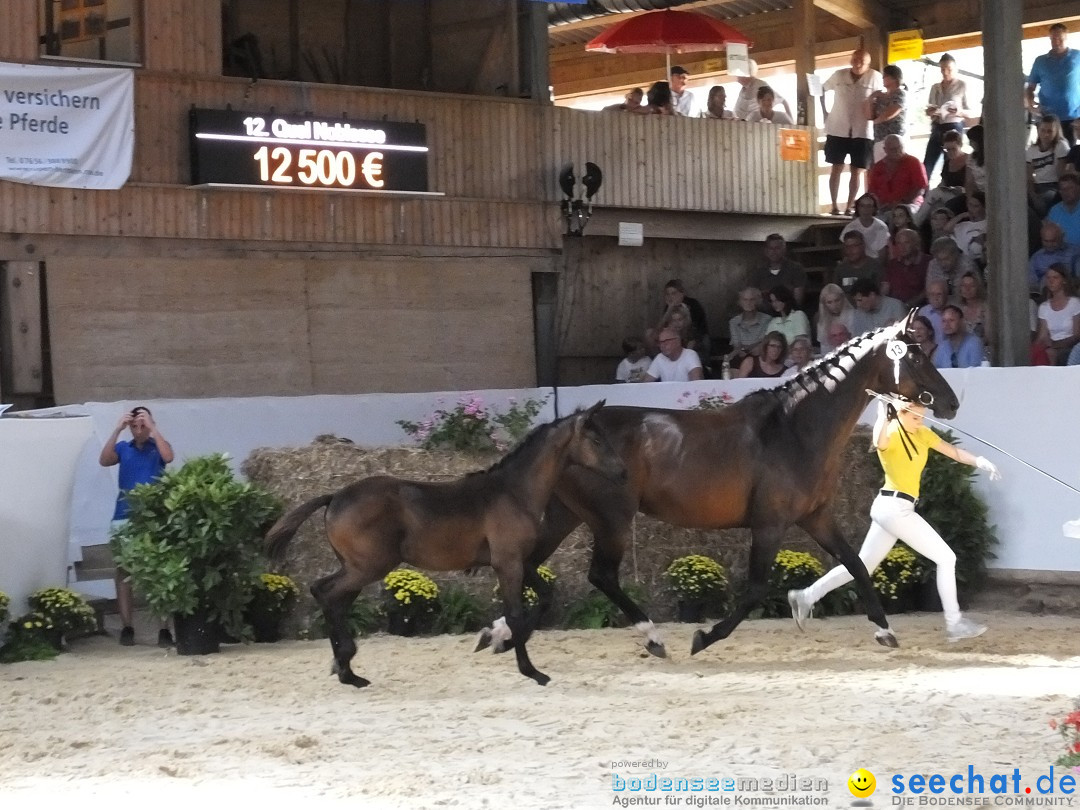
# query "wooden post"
(1005, 134)
(805, 59)
(21, 356)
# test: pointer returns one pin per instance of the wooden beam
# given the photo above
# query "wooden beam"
(805, 58)
(859, 13)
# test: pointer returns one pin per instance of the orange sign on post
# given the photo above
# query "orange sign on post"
(794, 144)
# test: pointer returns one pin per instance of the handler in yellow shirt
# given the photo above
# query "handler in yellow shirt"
(902, 441)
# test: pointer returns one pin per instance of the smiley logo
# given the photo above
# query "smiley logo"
(862, 783)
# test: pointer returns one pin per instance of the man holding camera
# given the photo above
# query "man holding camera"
(141, 460)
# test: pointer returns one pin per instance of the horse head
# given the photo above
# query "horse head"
(588, 446)
(906, 370)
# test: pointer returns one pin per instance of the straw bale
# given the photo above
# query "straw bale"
(297, 474)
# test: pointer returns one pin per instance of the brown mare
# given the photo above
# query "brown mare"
(486, 518)
(769, 461)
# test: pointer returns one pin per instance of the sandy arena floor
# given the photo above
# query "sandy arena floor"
(105, 726)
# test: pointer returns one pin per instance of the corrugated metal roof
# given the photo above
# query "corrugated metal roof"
(565, 20)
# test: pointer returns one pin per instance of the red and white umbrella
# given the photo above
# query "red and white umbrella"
(667, 32)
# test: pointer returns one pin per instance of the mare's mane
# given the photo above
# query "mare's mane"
(828, 372)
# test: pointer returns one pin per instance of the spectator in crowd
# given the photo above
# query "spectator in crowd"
(1057, 76)
(746, 102)
(941, 224)
(660, 101)
(969, 229)
(1054, 250)
(634, 366)
(771, 361)
(900, 218)
(848, 132)
(875, 232)
(674, 363)
(678, 318)
(716, 106)
(838, 334)
(974, 306)
(682, 99)
(937, 298)
(141, 460)
(1046, 164)
(1067, 212)
(948, 263)
(957, 347)
(887, 109)
(953, 177)
(923, 332)
(976, 162)
(632, 101)
(1072, 160)
(856, 263)
(833, 308)
(873, 310)
(1059, 320)
(899, 178)
(905, 276)
(790, 322)
(779, 269)
(675, 294)
(800, 355)
(947, 107)
(766, 110)
(748, 328)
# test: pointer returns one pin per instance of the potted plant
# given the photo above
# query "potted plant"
(5, 602)
(66, 610)
(192, 548)
(529, 597)
(792, 570)
(271, 600)
(1069, 728)
(697, 581)
(29, 638)
(899, 578)
(410, 598)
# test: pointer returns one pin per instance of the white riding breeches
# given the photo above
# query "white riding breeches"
(896, 519)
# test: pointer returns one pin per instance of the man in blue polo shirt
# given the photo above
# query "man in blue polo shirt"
(141, 461)
(1057, 75)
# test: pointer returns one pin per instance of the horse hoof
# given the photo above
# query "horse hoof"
(886, 639)
(699, 642)
(352, 679)
(483, 641)
(656, 648)
(541, 679)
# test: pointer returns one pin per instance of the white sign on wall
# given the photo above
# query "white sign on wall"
(66, 126)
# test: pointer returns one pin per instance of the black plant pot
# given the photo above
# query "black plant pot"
(399, 624)
(690, 612)
(265, 627)
(928, 599)
(196, 634)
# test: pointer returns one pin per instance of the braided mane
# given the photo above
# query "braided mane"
(830, 370)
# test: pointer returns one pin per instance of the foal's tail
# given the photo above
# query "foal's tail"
(282, 532)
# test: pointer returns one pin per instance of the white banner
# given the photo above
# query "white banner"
(66, 126)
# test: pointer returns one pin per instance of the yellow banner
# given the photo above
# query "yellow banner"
(904, 45)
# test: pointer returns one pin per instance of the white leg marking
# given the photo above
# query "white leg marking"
(500, 634)
(650, 631)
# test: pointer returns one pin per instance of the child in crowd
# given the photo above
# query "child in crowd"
(635, 364)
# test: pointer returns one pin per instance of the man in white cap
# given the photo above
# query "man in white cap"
(747, 101)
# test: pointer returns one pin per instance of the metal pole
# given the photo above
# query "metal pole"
(1005, 134)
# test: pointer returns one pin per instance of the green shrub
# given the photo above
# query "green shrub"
(459, 612)
(365, 618)
(595, 610)
(791, 570)
(5, 602)
(66, 609)
(193, 541)
(30, 638)
(697, 578)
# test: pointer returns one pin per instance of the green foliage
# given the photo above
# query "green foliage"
(898, 577)
(790, 571)
(66, 609)
(595, 610)
(193, 538)
(1069, 728)
(365, 618)
(410, 593)
(950, 504)
(30, 638)
(459, 612)
(529, 596)
(697, 578)
(5, 602)
(273, 594)
(473, 426)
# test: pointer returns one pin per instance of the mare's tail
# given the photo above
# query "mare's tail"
(282, 532)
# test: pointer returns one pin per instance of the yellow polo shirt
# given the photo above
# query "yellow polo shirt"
(902, 473)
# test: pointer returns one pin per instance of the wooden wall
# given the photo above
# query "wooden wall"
(19, 31)
(201, 328)
(687, 164)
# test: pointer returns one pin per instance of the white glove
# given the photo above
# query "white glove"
(985, 464)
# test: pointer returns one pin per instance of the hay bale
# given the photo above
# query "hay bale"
(329, 463)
